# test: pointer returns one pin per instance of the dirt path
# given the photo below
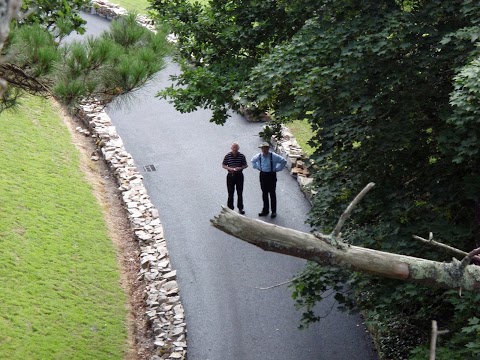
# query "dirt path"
(105, 190)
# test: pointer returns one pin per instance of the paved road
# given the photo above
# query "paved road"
(228, 317)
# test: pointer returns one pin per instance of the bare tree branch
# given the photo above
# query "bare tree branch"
(442, 246)
(433, 340)
(285, 282)
(350, 208)
(19, 77)
(467, 259)
(279, 284)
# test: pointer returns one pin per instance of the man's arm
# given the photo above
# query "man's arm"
(244, 163)
(279, 161)
(254, 162)
(225, 164)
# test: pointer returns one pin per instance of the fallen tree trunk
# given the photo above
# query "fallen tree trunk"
(319, 248)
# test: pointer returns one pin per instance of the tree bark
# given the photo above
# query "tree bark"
(318, 248)
(9, 10)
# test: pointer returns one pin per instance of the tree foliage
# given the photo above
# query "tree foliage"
(219, 45)
(40, 62)
(55, 15)
(391, 90)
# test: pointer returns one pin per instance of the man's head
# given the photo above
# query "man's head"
(265, 146)
(235, 147)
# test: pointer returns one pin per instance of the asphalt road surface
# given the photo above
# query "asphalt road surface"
(228, 317)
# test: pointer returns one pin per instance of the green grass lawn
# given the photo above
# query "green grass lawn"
(303, 133)
(60, 295)
(140, 5)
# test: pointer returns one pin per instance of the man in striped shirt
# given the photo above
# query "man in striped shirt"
(234, 162)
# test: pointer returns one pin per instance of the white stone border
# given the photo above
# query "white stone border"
(163, 307)
(296, 161)
(112, 11)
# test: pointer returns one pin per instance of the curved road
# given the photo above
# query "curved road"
(228, 317)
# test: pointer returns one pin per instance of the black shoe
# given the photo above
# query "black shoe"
(241, 211)
(274, 215)
(263, 213)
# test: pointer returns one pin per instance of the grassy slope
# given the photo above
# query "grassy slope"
(140, 5)
(303, 133)
(60, 296)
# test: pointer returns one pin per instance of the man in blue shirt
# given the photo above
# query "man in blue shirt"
(268, 163)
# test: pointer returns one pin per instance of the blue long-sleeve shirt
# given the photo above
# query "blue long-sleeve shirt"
(265, 163)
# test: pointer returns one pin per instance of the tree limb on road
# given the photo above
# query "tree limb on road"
(318, 248)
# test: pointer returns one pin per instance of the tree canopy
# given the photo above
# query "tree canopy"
(391, 91)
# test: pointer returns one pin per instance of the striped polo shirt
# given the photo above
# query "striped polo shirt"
(234, 161)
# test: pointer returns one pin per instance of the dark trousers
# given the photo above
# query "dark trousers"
(268, 184)
(235, 180)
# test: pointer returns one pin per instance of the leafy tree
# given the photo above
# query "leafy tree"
(391, 91)
(220, 43)
(38, 62)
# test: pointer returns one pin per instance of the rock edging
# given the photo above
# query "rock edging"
(297, 161)
(164, 310)
(111, 11)
(163, 307)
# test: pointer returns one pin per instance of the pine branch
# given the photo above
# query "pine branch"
(20, 78)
